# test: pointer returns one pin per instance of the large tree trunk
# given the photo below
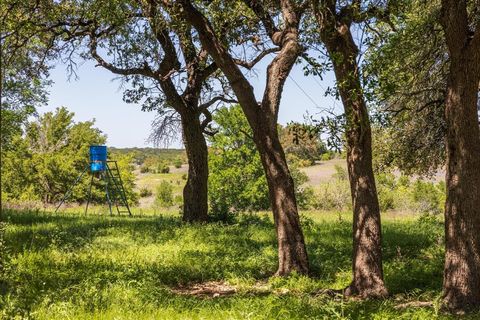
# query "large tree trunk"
(292, 254)
(262, 118)
(461, 283)
(462, 210)
(195, 193)
(367, 248)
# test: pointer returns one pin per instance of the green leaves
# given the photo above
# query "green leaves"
(406, 79)
(53, 152)
(237, 181)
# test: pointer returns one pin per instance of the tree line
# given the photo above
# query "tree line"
(44, 161)
(182, 58)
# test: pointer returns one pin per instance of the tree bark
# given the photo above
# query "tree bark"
(461, 283)
(367, 248)
(195, 192)
(262, 117)
(292, 254)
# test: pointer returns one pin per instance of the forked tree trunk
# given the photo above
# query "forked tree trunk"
(292, 254)
(461, 283)
(262, 118)
(367, 247)
(195, 193)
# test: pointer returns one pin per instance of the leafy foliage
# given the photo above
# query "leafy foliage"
(51, 155)
(406, 75)
(237, 181)
(24, 72)
(164, 196)
(307, 146)
(151, 155)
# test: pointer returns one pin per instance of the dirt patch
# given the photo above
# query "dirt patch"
(211, 289)
(323, 171)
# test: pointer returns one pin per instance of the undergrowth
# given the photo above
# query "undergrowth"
(70, 266)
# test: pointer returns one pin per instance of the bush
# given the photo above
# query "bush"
(163, 168)
(327, 156)
(164, 196)
(340, 173)
(178, 163)
(386, 187)
(144, 169)
(401, 194)
(178, 199)
(333, 195)
(428, 196)
(294, 160)
(237, 181)
(145, 192)
(304, 194)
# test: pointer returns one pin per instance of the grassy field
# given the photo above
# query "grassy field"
(176, 178)
(70, 266)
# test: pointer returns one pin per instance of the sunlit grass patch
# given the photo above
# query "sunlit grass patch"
(71, 266)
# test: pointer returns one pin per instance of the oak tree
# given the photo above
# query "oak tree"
(162, 65)
(335, 21)
(262, 116)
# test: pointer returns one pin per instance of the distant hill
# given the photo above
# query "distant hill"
(140, 154)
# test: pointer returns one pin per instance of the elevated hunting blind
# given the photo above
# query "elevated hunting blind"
(106, 171)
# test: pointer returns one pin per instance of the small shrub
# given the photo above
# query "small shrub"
(428, 197)
(386, 199)
(178, 199)
(304, 194)
(305, 197)
(145, 192)
(164, 196)
(333, 195)
(144, 169)
(327, 156)
(340, 173)
(163, 168)
(296, 161)
(386, 187)
(178, 163)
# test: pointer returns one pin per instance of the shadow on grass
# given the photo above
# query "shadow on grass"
(412, 253)
(61, 258)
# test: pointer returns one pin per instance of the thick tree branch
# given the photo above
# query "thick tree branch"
(455, 24)
(214, 100)
(145, 70)
(207, 72)
(207, 120)
(219, 53)
(258, 8)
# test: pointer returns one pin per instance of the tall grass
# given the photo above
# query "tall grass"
(71, 266)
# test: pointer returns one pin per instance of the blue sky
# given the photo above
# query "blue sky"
(96, 95)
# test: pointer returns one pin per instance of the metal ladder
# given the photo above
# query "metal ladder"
(115, 191)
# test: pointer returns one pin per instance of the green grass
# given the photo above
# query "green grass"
(152, 180)
(70, 266)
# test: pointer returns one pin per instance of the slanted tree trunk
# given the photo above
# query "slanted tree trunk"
(262, 117)
(461, 283)
(292, 255)
(367, 248)
(195, 193)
